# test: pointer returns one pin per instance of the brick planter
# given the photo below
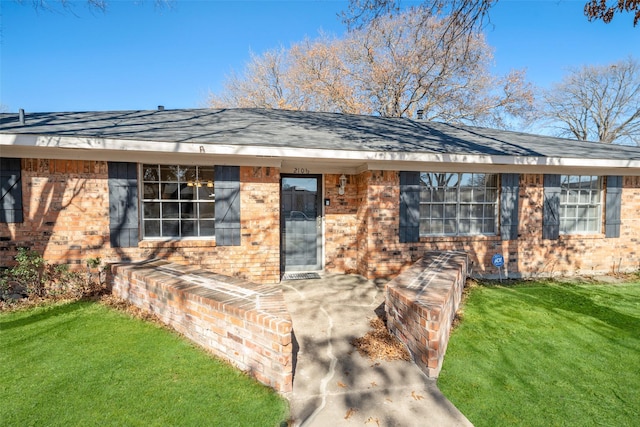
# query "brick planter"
(242, 322)
(421, 304)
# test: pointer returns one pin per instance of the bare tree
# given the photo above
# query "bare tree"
(68, 5)
(605, 10)
(392, 69)
(598, 103)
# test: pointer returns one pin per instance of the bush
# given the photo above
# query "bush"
(32, 277)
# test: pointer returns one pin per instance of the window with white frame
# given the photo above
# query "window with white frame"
(458, 203)
(178, 201)
(580, 204)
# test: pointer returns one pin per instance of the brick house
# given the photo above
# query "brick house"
(260, 193)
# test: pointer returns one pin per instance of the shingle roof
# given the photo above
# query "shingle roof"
(299, 129)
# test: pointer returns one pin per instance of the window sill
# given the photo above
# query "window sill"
(178, 243)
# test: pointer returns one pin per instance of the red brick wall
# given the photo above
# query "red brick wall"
(341, 225)
(382, 255)
(66, 212)
(254, 334)
(66, 218)
(421, 304)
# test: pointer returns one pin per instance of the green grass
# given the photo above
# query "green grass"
(85, 364)
(547, 354)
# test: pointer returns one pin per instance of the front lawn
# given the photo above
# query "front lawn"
(547, 354)
(85, 364)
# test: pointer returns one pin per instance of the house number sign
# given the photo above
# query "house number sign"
(301, 171)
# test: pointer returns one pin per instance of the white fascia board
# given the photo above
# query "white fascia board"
(92, 148)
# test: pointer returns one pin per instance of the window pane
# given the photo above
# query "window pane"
(451, 195)
(450, 226)
(437, 226)
(207, 210)
(478, 195)
(450, 179)
(189, 174)
(491, 196)
(489, 212)
(205, 174)
(476, 226)
(188, 192)
(169, 173)
(437, 211)
(150, 172)
(489, 226)
(466, 195)
(205, 192)
(466, 180)
(171, 228)
(464, 226)
(465, 211)
(151, 210)
(572, 196)
(151, 191)
(438, 195)
(189, 228)
(188, 210)
(152, 228)
(449, 211)
(207, 228)
(169, 191)
(584, 196)
(170, 210)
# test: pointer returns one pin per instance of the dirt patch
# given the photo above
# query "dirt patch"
(378, 344)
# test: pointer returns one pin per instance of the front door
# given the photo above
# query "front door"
(301, 223)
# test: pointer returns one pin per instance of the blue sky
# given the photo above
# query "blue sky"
(138, 57)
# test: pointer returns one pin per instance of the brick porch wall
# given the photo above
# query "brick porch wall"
(242, 322)
(421, 304)
(66, 218)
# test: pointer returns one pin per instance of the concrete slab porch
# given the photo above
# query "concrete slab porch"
(333, 384)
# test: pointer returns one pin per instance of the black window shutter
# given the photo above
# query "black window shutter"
(227, 189)
(509, 206)
(123, 204)
(409, 207)
(551, 208)
(10, 190)
(612, 206)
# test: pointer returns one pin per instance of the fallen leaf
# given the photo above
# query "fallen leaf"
(373, 384)
(373, 420)
(350, 412)
(341, 384)
(416, 396)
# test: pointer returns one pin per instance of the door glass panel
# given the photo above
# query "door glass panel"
(301, 222)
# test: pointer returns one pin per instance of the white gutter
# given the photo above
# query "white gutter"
(349, 161)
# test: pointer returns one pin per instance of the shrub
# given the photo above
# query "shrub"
(34, 277)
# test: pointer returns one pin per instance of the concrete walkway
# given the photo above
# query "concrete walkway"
(333, 385)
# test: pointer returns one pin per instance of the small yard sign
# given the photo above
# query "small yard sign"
(498, 260)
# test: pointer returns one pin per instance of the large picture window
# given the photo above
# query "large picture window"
(178, 201)
(580, 204)
(458, 203)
